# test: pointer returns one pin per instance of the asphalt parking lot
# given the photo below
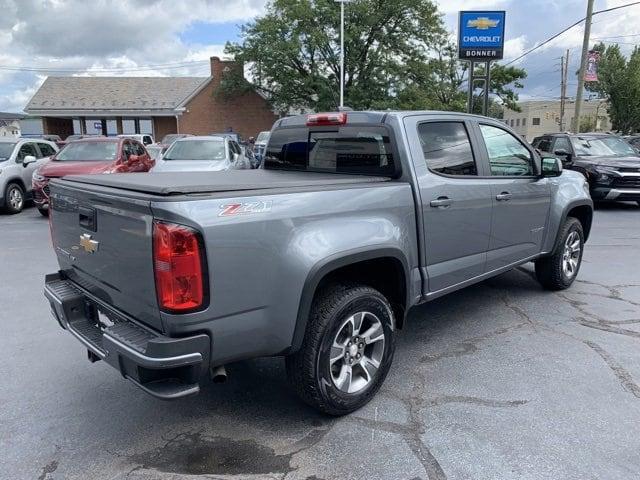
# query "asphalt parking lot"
(502, 380)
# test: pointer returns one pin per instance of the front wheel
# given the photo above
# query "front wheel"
(13, 198)
(347, 349)
(560, 270)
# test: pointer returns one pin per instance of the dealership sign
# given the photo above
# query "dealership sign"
(481, 36)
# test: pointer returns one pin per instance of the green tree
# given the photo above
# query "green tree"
(619, 83)
(397, 55)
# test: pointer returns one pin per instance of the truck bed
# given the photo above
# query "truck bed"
(171, 183)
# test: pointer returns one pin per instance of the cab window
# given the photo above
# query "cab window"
(508, 157)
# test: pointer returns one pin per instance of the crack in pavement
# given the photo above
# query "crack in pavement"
(620, 372)
(608, 327)
(470, 346)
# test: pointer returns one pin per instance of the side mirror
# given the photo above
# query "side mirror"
(551, 167)
(28, 159)
(566, 156)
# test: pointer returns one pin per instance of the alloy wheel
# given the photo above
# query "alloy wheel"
(16, 199)
(356, 352)
(571, 255)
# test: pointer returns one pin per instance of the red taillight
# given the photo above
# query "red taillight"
(178, 267)
(323, 119)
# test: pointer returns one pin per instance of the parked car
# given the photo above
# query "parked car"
(634, 140)
(167, 140)
(356, 218)
(78, 136)
(154, 151)
(89, 156)
(202, 154)
(261, 145)
(610, 164)
(18, 160)
(143, 138)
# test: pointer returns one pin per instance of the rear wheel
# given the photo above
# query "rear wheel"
(13, 198)
(347, 349)
(560, 270)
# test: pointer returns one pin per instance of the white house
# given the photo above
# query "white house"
(10, 124)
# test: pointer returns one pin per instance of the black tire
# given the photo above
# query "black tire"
(309, 371)
(9, 206)
(43, 211)
(549, 270)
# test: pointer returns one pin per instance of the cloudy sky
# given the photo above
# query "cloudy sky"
(125, 37)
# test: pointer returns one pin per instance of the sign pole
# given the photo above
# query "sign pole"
(487, 88)
(471, 87)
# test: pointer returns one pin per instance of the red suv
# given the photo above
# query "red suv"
(88, 156)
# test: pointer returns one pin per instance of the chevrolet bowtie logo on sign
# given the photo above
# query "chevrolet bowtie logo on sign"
(88, 244)
(483, 23)
(481, 36)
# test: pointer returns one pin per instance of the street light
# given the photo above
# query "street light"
(342, 2)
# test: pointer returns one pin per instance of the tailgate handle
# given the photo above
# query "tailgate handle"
(87, 218)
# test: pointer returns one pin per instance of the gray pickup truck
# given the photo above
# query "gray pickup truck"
(355, 218)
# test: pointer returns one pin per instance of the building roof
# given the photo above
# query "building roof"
(94, 94)
(11, 116)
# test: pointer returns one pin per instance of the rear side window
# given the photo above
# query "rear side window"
(358, 150)
(544, 144)
(446, 148)
(46, 149)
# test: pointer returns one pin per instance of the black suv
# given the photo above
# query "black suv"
(611, 164)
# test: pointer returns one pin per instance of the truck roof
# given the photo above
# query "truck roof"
(372, 116)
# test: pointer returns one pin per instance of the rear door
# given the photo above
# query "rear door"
(103, 242)
(456, 199)
(521, 198)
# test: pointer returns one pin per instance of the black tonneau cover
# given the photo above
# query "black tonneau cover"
(172, 183)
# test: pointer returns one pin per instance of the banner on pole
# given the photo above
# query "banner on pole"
(591, 73)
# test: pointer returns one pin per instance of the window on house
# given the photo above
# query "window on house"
(536, 121)
(524, 122)
(518, 122)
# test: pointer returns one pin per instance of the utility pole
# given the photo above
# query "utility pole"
(564, 72)
(583, 65)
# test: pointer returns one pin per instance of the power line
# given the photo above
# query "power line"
(567, 29)
(141, 68)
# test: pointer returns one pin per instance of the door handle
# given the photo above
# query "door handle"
(504, 196)
(441, 202)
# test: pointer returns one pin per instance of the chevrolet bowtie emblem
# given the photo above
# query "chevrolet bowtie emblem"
(483, 23)
(89, 245)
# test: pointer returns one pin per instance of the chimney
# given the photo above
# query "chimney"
(220, 67)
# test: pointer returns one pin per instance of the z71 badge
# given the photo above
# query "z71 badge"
(232, 209)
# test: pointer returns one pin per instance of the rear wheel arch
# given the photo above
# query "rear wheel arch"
(385, 270)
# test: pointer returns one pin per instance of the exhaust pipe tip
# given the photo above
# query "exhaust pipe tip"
(219, 374)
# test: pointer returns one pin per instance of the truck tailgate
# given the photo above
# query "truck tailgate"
(104, 244)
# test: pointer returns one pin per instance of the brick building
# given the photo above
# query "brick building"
(156, 105)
